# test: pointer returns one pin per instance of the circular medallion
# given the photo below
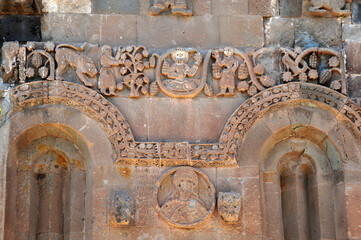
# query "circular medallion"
(185, 197)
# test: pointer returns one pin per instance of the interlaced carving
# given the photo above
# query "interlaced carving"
(317, 65)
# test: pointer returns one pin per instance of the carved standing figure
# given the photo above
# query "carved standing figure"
(179, 71)
(320, 7)
(184, 205)
(228, 74)
(108, 73)
(178, 7)
(68, 55)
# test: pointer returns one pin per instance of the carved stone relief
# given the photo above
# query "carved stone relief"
(250, 74)
(229, 206)
(178, 7)
(69, 55)
(178, 73)
(123, 210)
(318, 65)
(185, 197)
(337, 8)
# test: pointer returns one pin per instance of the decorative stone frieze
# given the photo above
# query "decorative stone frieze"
(179, 73)
(318, 65)
(185, 197)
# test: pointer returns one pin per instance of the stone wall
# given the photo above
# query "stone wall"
(282, 162)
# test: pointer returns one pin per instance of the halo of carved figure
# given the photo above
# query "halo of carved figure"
(185, 197)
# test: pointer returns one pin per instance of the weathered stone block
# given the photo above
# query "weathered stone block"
(170, 31)
(354, 86)
(115, 6)
(73, 28)
(66, 6)
(280, 31)
(10, 26)
(252, 206)
(353, 195)
(202, 7)
(266, 8)
(229, 7)
(118, 30)
(291, 8)
(242, 31)
(29, 7)
(353, 64)
(351, 32)
(356, 11)
(321, 32)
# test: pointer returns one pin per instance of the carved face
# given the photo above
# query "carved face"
(229, 206)
(185, 181)
(106, 49)
(180, 56)
(228, 51)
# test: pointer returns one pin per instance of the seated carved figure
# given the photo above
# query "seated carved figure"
(68, 55)
(320, 7)
(179, 71)
(184, 206)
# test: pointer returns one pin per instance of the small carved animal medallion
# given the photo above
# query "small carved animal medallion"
(229, 206)
(185, 197)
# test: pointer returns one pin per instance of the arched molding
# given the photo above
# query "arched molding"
(128, 151)
(79, 97)
(56, 123)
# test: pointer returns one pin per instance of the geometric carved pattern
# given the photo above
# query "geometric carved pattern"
(129, 151)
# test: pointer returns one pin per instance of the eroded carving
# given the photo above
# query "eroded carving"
(69, 55)
(185, 197)
(9, 64)
(229, 206)
(317, 65)
(180, 67)
(337, 8)
(178, 7)
(134, 60)
(123, 210)
(110, 71)
(250, 73)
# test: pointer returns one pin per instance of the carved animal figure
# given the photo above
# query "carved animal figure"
(229, 206)
(68, 55)
(9, 51)
(320, 7)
